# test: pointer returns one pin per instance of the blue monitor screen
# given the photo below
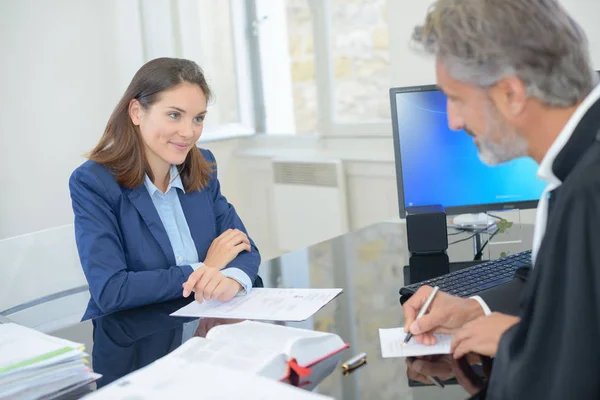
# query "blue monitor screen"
(441, 166)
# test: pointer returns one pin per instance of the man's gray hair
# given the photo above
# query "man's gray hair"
(481, 41)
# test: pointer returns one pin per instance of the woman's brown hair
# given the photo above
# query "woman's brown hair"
(121, 149)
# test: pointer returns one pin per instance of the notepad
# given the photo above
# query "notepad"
(264, 304)
(391, 344)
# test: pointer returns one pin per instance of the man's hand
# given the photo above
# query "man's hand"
(482, 335)
(210, 283)
(446, 314)
(226, 248)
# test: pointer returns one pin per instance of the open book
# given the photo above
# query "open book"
(299, 356)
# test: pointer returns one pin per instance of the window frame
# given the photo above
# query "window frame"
(328, 123)
(171, 28)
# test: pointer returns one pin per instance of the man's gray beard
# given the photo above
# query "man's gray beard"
(491, 153)
(512, 144)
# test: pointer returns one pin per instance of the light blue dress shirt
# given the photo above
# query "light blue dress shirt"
(173, 219)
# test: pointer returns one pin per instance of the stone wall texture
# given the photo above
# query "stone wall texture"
(361, 61)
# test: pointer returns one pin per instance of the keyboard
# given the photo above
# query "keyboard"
(472, 280)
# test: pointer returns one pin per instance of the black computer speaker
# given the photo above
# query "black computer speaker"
(426, 229)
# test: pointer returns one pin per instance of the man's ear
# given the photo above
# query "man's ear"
(135, 111)
(510, 95)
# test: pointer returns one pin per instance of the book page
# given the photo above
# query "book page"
(229, 353)
(172, 377)
(391, 344)
(264, 304)
(276, 337)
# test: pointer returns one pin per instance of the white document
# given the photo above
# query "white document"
(176, 378)
(264, 304)
(391, 344)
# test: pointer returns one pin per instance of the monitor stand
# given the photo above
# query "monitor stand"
(477, 223)
(489, 224)
(424, 267)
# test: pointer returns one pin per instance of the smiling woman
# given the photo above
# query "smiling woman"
(151, 108)
(151, 223)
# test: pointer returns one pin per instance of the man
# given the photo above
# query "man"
(518, 78)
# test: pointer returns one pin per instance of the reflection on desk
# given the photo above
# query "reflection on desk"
(128, 340)
(367, 264)
(468, 372)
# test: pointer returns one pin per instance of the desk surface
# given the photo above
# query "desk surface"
(368, 264)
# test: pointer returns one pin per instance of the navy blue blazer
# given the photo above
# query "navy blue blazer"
(124, 249)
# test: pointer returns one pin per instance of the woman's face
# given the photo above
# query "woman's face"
(172, 125)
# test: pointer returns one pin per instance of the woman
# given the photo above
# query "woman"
(151, 223)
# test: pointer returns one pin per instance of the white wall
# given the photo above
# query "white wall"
(59, 79)
(586, 13)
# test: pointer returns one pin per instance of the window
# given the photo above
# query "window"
(283, 66)
(302, 64)
(218, 59)
(361, 60)
(215, 35)
(339, 62)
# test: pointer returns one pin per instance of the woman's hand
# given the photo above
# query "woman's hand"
(225, 248)
(210, 283)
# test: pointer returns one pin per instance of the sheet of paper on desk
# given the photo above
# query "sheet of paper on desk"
(264, 304)
(391, 344)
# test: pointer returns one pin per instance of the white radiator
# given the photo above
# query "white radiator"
(309, 200)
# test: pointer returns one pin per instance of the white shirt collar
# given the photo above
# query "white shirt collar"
(545, 171)
(175, 182)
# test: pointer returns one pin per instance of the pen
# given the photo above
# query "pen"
(355, 362)
(422, 311)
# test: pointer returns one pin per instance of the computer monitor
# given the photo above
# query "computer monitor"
(436, 165)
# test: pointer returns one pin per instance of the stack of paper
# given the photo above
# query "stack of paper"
(34, 365)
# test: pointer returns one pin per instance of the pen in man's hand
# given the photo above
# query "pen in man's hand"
(422, 311)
